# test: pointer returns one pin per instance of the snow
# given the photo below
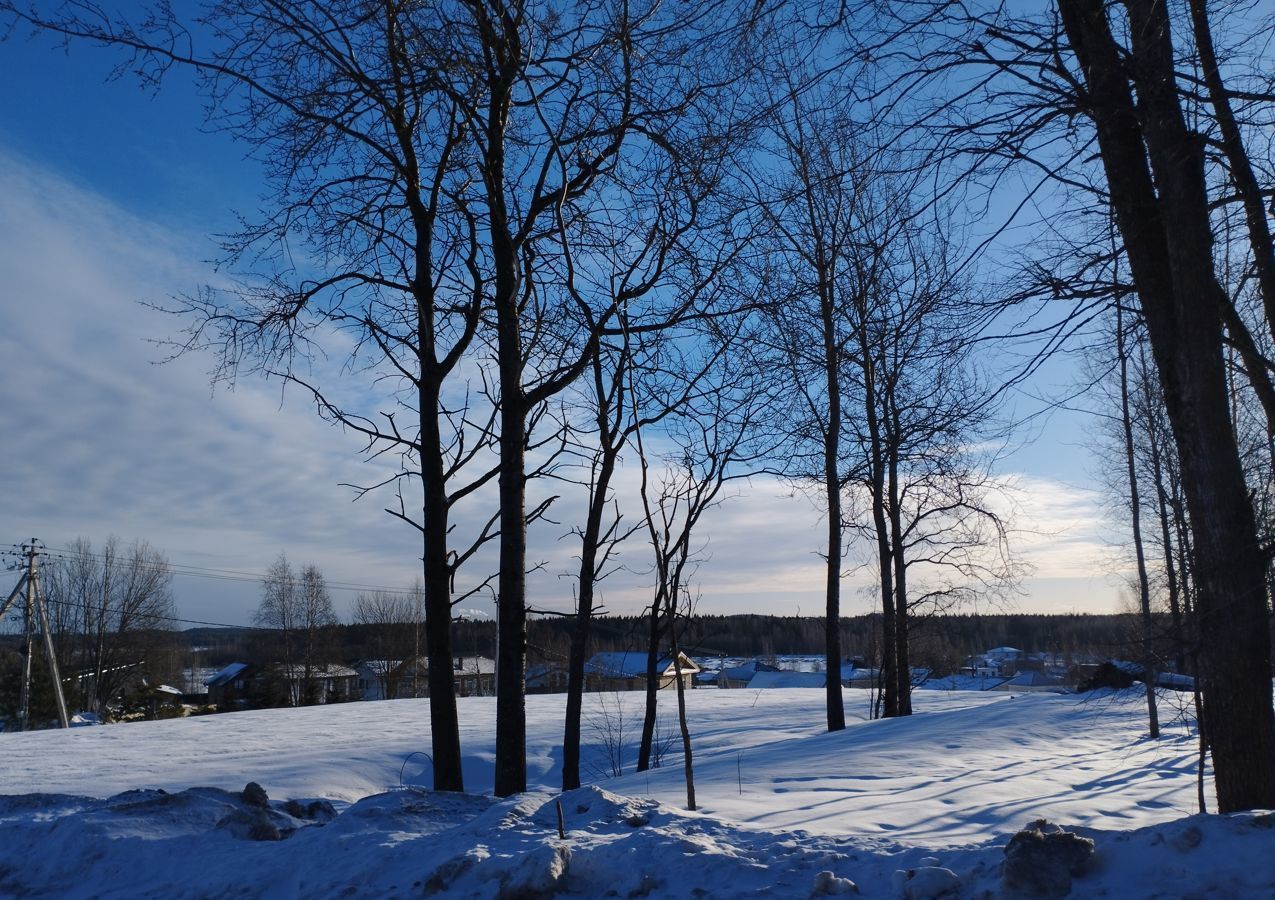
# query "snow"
(785, 809)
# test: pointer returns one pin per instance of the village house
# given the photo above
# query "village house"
(327, 683)
(378, 678)
(546, 678)
(230, 687)
(741, 676)
(627, 672)
(475, 676)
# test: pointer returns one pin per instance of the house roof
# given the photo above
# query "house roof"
(633, 665)
(748, 670)
(1034, 679)
(965, 682)
(330, 671)
(789, 680)
(474, 665)
(226, 675)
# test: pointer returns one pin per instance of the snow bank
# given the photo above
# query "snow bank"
(786, 809)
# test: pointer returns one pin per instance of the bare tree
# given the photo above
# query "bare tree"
(809, 208)
(298, 608)
(711, 445)
(392, 620)
(112, 610)
(316, 617)
(280, 611)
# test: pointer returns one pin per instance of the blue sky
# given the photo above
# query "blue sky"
(112, 196)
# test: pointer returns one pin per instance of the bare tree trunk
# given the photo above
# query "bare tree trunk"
(688, 769)
(444, 723)
(584, 617)
(1152, 405)
(885, 558)
(1135, 512)
(902, 663)
(832, 489)
(652, 684)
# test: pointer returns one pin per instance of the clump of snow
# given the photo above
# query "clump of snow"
(785, 807)
(926, 883)
(827, 882)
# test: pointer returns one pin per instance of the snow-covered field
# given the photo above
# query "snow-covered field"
(154, 809)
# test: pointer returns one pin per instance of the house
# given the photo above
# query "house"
(378, 678)
(778, 679)
(742, 676)
(966, 682)
(853, 676)
(475, 676)
(1117, 673)
(1033, 682)
(546, 678)
(231, 686)
(327, 683)
(627, 671)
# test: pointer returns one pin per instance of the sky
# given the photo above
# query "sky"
(111, 199)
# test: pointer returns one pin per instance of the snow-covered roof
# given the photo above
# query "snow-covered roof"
(789, 680)
(633, 665)
(329, 671)
(1034, 679)
(964, 682)
(475, 665)
(226, 675)
(748, 670)
(1163, 679)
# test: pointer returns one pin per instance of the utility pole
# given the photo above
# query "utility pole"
(24, 705)
(35, 609)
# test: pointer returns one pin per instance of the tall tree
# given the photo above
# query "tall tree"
(1155, 174)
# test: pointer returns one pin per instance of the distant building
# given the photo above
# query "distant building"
(327, 683)
(777, 679)
(378, 678)
(1027, 682)
(742, 676)
(627, 672)
(230, 687)
(546, 678)
(475, 676)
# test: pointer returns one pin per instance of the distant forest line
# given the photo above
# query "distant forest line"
(942, 642)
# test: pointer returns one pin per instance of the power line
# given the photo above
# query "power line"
(214, 574)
